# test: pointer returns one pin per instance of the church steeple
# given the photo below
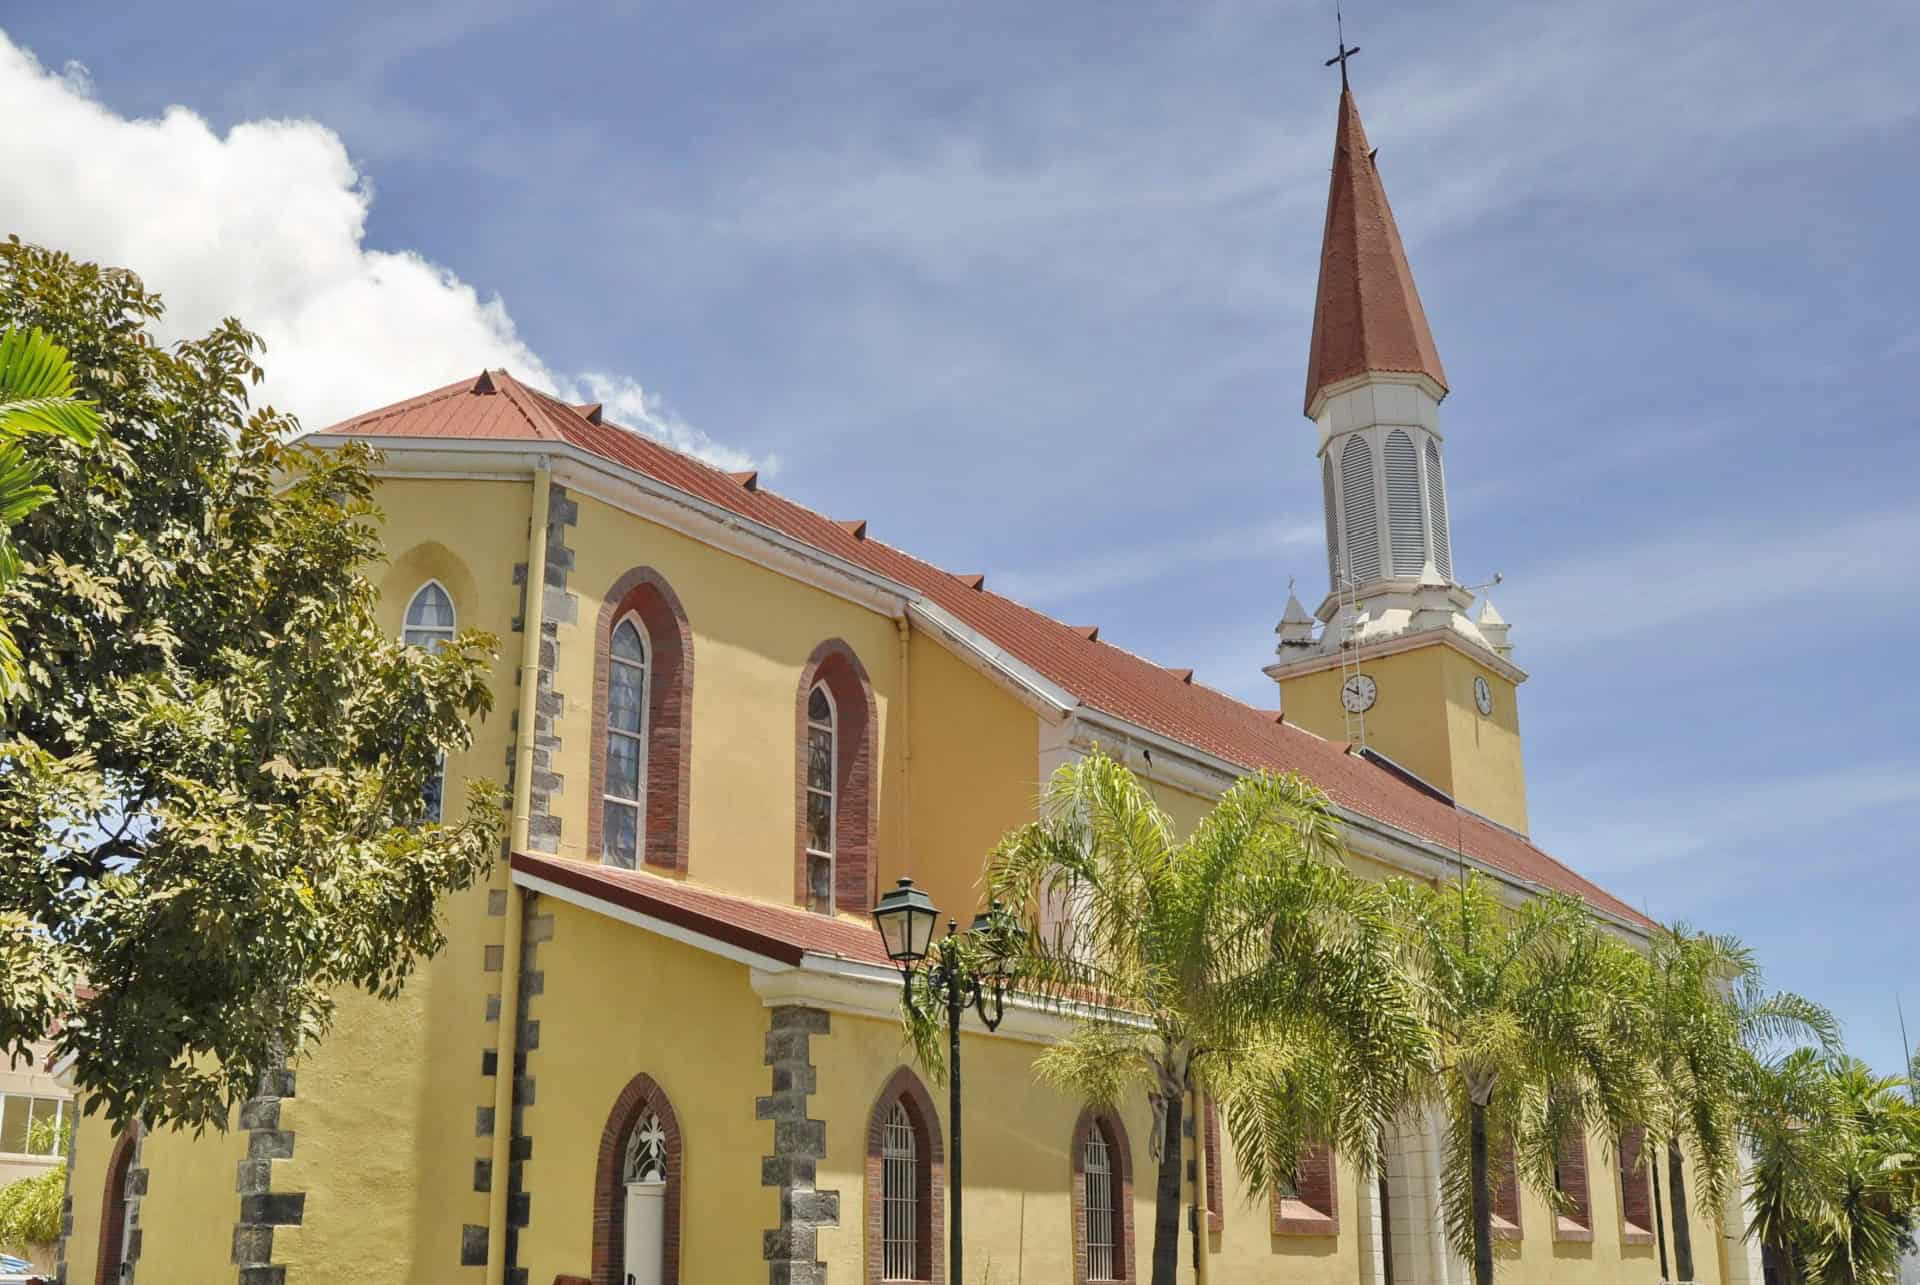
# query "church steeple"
(1397, 662)
(1367, 316)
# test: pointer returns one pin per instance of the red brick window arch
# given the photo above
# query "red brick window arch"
(834, 784)
(641, 752)
(118, 1242)
(641, 1142)
(1636, 1190)
(1102, 1199)
(906, 1185)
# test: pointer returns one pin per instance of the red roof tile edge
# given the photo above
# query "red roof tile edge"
(781, 933)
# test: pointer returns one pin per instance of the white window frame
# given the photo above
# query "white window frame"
(436, 636)
(11, 1102)
(831, 856)
(639, 802)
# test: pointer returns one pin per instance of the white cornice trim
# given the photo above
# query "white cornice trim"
(1411, 640)
(1046, 697)
(632, 491)
(1425, 383)
(872, 991)
(660, 927)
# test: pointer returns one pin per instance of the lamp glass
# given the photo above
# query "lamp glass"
(905, 918)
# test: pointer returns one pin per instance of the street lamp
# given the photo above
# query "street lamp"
(905, 918)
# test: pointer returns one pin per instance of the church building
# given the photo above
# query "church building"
(663, 1044)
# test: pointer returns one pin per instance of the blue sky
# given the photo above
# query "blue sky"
(1028, 286)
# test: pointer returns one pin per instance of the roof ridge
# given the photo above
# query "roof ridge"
(523, 400)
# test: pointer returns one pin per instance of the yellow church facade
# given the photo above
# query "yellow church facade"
(663, 1043)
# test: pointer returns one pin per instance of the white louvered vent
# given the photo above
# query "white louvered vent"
(1437, 506)
(1405, 531)
(1333, 525)
(1362, 545)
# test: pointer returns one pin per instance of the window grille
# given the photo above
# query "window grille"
(1406, 532)
(1333, 524)
(1362, 545)
(430, 624)
(646, 1150)
(900, 1198)
(1437, 507)
(1097, 1172)
(624, 792)
(822, 800)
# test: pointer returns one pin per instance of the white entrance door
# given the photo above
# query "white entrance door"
(646, 1232)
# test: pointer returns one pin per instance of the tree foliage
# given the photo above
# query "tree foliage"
(1244, 960)
(1836, 1168)
(210, 784)
(1541, 1021)
(37, 404)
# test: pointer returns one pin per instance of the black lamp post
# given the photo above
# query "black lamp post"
(905, 918)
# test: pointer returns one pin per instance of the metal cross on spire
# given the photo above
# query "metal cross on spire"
(1345, 53)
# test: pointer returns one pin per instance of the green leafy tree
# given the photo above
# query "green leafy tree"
(1711, 1016)
(1541, 1021)
(30, 1208)
(1244, 960)
(36, 402)
(210, 787)
(1836, 1168)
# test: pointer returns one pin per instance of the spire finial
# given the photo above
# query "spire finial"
(1345, 53)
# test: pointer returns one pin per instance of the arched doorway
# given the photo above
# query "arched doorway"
(120, 1213)
(636, 1214)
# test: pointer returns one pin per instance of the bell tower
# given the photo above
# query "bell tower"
(1391, 661)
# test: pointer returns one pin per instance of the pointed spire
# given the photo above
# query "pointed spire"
(1366, 312)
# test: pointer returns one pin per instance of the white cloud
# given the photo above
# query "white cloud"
(268, 223)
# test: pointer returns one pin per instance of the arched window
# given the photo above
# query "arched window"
(904, 1175)
(624, 793)
(119, 1222)
(821, 760)
(1102, 1200)
(1406, 532)
(430, 624)
(834, 786)
(1437, 509)
(429, 618)
(1333, 523)
(637, 1205)
(1362, 543)
(640, 756)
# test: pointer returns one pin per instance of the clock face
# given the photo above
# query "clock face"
(1358, 694)
(1482, 695)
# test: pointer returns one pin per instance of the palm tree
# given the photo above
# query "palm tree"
(1540, 1017)
(36, 401)
(1836, 1179)
(1244, 960)
(1710, 1020)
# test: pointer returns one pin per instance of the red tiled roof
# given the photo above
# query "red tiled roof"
(775, 932)
(1366, 312)
(1102, 676)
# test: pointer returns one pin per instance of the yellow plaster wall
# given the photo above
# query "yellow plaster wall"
(92, 1145)
(1245, 1249)
(1424, 718)
(187, 1215)
(1017, 1135)
(617, 1002)
(975, 777)
(753, 631)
